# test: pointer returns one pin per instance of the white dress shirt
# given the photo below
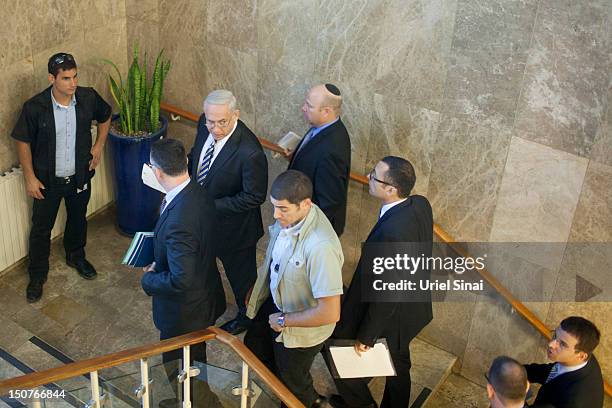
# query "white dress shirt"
(218, 146)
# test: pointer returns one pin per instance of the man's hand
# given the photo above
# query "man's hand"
(273, 320)
(287, 153)
(34, 187)
(149, 268)
(96, 152)
(360, 348)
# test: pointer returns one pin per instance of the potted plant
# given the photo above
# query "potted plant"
(133, 129)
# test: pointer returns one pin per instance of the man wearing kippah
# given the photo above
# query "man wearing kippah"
(324, 154)
(54, 145)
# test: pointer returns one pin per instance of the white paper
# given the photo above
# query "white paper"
(149, 179)
(375, 362)
(289, 142)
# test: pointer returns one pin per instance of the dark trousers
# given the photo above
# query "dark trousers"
(241, 270)
(290, 365)
(356, 393)
(201, 394)
(44, 213)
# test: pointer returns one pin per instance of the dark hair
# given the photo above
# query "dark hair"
(508, 378)
(333, 89)
(400, 175)
(291, 185)
(169, 156)
(61, 60)
(585, 332)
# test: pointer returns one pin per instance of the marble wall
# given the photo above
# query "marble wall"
(501, 105)
(33, 31)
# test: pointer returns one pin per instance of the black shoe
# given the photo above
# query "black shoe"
(34, 290)
(320, 402)
(83, 267)
(236, 326)
(336, 401)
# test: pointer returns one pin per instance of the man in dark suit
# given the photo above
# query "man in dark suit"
(574, 380)
(507, 383)
(229, 162)
(324, 154)
(183, 281)
(403, 218)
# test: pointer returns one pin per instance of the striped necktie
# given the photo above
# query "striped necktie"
(206, 160)
(163, 206)
(553, 373)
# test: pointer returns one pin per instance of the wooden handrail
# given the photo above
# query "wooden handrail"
(78, 368)
(517, 305)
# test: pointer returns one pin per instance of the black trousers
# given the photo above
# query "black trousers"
(290, 365)
(241, 270)
(201, 394)
(356, 393)
(44, 213)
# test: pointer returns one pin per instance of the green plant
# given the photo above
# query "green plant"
(138, 98)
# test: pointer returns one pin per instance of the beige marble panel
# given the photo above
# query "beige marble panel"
(538, 195)
(599, 313)
(234, 70)
(466, 171)
(145, 33)
(14, 91)
(54, 22)
(593, 216)
(495, 331)
(413, 55)
(602, 149)
(407, 131)
(564, 92)
(98, 14)
(240, 16)
(142, 9)
(182, 21)
(14, 33)
(350, 239)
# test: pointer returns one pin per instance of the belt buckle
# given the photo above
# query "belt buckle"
(66, 180)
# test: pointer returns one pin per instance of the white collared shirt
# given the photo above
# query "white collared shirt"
(218, 146)
(387, 207)
(170, 195)
(568, 369)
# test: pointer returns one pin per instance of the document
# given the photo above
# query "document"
(289, 142)
(141, 250)
(149, 179)
(375, 362)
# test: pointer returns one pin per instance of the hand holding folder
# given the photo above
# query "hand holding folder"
(376, 362)
(140, 253)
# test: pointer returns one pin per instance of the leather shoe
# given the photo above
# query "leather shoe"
(34, 291)
(319, 402)
(83, 267)
(236, 326)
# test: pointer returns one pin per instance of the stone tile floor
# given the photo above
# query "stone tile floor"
(84, 319)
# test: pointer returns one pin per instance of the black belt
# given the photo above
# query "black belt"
(64, 180)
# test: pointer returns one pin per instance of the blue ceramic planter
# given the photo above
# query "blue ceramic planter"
(137, 205)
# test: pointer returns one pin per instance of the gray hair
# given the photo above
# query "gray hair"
(221, 97)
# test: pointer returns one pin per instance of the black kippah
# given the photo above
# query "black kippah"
(333, 89)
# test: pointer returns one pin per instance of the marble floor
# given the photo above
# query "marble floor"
(83, 319)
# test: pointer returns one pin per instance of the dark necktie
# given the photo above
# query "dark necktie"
(554, 372)
(206, 160)
(163, 206)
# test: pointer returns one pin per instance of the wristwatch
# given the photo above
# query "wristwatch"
(280, 320)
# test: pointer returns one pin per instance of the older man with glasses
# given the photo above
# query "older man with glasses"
(58, 158)
(229, 162)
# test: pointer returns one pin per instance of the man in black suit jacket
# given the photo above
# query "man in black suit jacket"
(183, 281)
(229, 162)
(574, 380)
(403, 218)
(324, 154)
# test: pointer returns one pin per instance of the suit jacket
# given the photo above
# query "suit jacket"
(326, 160)
(399, 323)
(186, 286)
(238, 182)
(577, 389)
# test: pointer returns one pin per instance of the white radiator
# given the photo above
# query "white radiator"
(16, 209)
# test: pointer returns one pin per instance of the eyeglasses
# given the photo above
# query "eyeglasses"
(221, 124)
(562, 344)
(372, 176)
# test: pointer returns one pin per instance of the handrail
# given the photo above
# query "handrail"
(517, 305)
(78, 368)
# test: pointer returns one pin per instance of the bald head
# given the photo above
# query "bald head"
(322, 105)
(507, 381)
